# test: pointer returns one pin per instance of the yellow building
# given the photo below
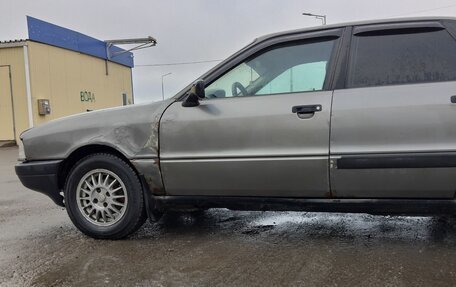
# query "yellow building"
(56, 73)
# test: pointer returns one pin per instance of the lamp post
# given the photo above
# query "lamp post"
(163, 89)
(321, 17)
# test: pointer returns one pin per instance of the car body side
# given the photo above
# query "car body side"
(133, 133)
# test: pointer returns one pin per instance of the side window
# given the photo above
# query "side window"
(402, 57)
(285, 69)
(300, 78)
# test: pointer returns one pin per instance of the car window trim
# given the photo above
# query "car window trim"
(267, 43)
(371, 30)
(340, 73)
(450, 26)
(266, 95)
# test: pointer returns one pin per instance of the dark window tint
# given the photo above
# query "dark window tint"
(405, 57)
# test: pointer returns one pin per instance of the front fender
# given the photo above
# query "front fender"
(132, 130)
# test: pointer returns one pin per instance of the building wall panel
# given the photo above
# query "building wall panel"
(74, 82)
(6, 107)
(14, 57)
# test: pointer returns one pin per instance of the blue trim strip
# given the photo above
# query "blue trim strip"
(47, 33)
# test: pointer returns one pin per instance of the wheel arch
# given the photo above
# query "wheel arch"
(81, 152)
(84, 151)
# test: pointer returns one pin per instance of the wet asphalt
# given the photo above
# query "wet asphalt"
(40, 247)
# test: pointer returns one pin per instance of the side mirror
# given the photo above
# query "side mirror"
(196, 92)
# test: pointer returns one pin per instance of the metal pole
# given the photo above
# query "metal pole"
(163, 88)
(321, 17)
(324, 19)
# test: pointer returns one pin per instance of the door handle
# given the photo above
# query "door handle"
(310, 109)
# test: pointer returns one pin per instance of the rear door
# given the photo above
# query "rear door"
(263, 128)
(393, 126)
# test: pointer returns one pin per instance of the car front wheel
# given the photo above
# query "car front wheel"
(103, 197)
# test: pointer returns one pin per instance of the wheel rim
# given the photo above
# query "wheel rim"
(102, 197)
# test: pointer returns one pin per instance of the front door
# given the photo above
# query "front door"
(262, 129)
(6, 107)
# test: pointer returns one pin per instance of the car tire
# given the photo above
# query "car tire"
(104, 198)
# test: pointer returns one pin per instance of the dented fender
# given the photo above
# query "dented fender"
(149, 169)
(132, 130)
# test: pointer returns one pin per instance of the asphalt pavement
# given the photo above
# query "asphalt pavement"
(39, 246)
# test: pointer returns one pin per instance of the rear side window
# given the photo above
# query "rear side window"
(402, 57)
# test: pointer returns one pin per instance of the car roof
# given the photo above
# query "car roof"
(319, 28)
(355, 23)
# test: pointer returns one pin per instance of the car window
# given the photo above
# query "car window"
(304, 77)
(284, 69)
(242, 74)
(402, 58)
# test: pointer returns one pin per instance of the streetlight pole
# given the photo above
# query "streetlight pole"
(163, 89)
(321, 17)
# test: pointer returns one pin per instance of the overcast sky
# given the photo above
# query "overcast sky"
(196, 30)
